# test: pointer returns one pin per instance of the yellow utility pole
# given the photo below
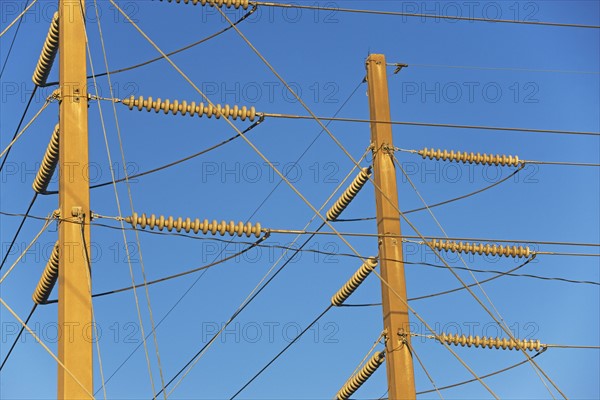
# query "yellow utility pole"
(74, 295)
(398, 356)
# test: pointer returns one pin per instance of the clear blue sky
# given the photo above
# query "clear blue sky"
(322, 54)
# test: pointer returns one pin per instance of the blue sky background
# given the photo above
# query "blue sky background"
(323, 54)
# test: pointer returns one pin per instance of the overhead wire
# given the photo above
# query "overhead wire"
(171, 164)
(564, 163)
(226, 120)
(261, 285)
(177, 51)
(483, 376)
(294, 340)
(31, 97)
(18, 17)
(414, 352)
(441, 203)
(18, 231)
(507, 273)
(112, 172)
(308, 203)
(327, 253)
(33, 241)
(129, 193)
(436, 125)
(263, 157)
(567, 346)
(12, 346)
(230, 241)
(50, 98)
(410, 123)
(477, 282)
(307, 232)
(12, 43)
(44, 346)
(94, 321)
(177, 275)
(507, 331)
(563, 71)
(422, 15)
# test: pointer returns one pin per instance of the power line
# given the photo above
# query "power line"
(304, 199)
(441, 203)
(16, 235)
(12, 43)
(231, 240)
(409, 123)
(178, 275)
(477, 283)
(483, 271)
(567, 346)
(238, 311)
(306, 232)
(12, 347)
(171, 164)
(421, 15)
(350, 255)
(19, 125)
(179, 50)
(565, 163)
(31, 121)
(281, 352)
(563, 71)
(260, 287)
(18, 18)
(118, 203)
(484, 376)
(436, 125)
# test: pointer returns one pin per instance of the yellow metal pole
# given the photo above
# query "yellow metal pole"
(74, 297)
(398, 358)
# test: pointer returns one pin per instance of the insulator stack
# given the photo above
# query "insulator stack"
(49, 162)
(349, 194)
(216, 3)
(490, 343)
(192, 108)
(48, 279)
(479, 248)
(196, 226)
(354, 282)
(361, 376)
(44, 64)
(471, 158)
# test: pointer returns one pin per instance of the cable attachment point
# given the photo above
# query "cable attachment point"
(349, 194)
(471, 158)
(354, 282)
(356, 381)
(196, 226)
(192, 109)
(49, 50)
(399, 67)
(48, 279)
(479, 248)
